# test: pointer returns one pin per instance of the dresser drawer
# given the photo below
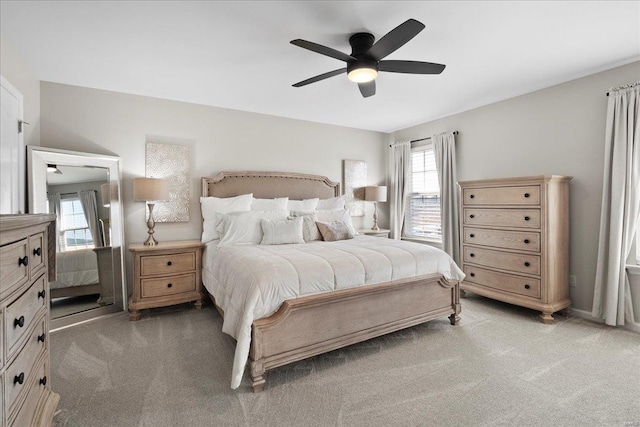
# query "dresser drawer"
(19, 371)
(37, 386)
(503, 282)
(521, 218)
(168, 285)
(13, 266)
(525, 195)
(23, 312)
(521, 240)
(151, 265)
(37, 252)
(523, 263)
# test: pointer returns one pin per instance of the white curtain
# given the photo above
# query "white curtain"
(90, 208)
(620, 206)
(54, 208)
(444, 149)
(399, 158)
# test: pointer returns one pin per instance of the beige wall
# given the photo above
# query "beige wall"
(558, 130)
(19, 74)
(96, 121)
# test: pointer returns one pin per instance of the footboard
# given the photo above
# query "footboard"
(316, 324)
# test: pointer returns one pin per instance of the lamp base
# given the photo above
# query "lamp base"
(151, 241)
(375, 217)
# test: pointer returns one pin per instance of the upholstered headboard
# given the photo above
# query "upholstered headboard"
(267, 185)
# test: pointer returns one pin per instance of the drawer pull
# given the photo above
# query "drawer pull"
(19, 322)
(41, 294)
(527, 286)
(37, 252)
(18, 379)
(472, 274)
(169, 285)
(526, 218)
(471, 196)
(526, 264)
(472, 216)
(472, 235)
(526, 195)
(23, 261)
(526, 241)
(41, 338)
(472, 255)
(169, 263)
(43, 380)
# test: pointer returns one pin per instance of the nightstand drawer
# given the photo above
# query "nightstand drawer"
(152, 265)
(21, 313)
(521, 240)
(168, 285)
(503, 282)
(521, 263)
(525, 195)
(523, 218)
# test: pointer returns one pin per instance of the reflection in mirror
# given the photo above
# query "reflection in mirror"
(83, 190)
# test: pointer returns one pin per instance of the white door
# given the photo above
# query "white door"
(12, 163)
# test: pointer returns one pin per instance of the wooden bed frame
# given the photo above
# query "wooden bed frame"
(347, 316)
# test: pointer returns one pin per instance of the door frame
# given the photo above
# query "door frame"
(22, 164)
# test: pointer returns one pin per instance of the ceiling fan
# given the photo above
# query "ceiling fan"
(365, 60)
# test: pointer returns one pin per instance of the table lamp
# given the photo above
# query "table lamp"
(375, 194)
(150, 190)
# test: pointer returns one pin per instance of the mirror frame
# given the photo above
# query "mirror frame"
(37, 160)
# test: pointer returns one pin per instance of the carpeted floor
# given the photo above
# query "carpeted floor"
(499, 367)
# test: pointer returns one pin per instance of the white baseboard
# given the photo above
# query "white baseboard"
(583, 314)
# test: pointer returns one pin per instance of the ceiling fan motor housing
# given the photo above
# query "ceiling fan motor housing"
(360, 45)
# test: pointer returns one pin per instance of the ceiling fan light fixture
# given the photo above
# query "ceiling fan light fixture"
(362, 75)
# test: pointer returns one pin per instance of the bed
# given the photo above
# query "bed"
(315, 321)
(77, 274)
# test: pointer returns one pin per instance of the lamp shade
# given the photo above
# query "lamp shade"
(376, 193)
(150, 189)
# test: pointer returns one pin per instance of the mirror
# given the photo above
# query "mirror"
(83, 190)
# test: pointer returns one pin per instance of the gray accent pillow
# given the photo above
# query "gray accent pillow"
(281, 232)
(333, 231)
(310, 230)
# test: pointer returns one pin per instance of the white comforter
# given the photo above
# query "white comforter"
(75, 268)
(250, 282)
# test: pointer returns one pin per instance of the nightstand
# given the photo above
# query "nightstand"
(165, 274)
(376, 233)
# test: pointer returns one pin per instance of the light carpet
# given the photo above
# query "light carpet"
(498, 367)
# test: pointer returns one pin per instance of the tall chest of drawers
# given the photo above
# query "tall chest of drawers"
(26, 398)
(515, 241)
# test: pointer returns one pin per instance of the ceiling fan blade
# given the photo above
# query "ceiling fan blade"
(367, 89)
(323, 50)
(411, 67)
(395, 39)
(320, 77)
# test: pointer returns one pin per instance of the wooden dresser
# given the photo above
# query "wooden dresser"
(165, 274)
(26, 398)
(515, 241)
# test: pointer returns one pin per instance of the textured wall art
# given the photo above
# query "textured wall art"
(354, 179)
(172, 162)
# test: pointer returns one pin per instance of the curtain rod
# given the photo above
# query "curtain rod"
(455, 132)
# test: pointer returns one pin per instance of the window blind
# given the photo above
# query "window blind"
(422, 218)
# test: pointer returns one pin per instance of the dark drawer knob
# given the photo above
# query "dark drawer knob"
(18, 379)
(472, 216)
(527, 286)
(472, 274)
(526, 195)
(19, 322)
(472, 235)
(37, 252)
(472, 255)
(526, 264)
(169, 263)
(169, 285)
(526, 218)
(471, 196)
(526, 241)
(23, 261)
(43, 381)
(41, 294)
(41, 338)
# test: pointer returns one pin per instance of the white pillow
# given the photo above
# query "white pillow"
(244, 227)
(213, 206)
(330, 215)
(310, 230)
(281, 232)
(334, 203)
(279, 204)
(303, 205)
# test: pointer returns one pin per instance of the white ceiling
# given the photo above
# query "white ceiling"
(77, 174)
(237, 54)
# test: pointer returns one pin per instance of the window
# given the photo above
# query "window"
(74, 230)
(422, 217)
